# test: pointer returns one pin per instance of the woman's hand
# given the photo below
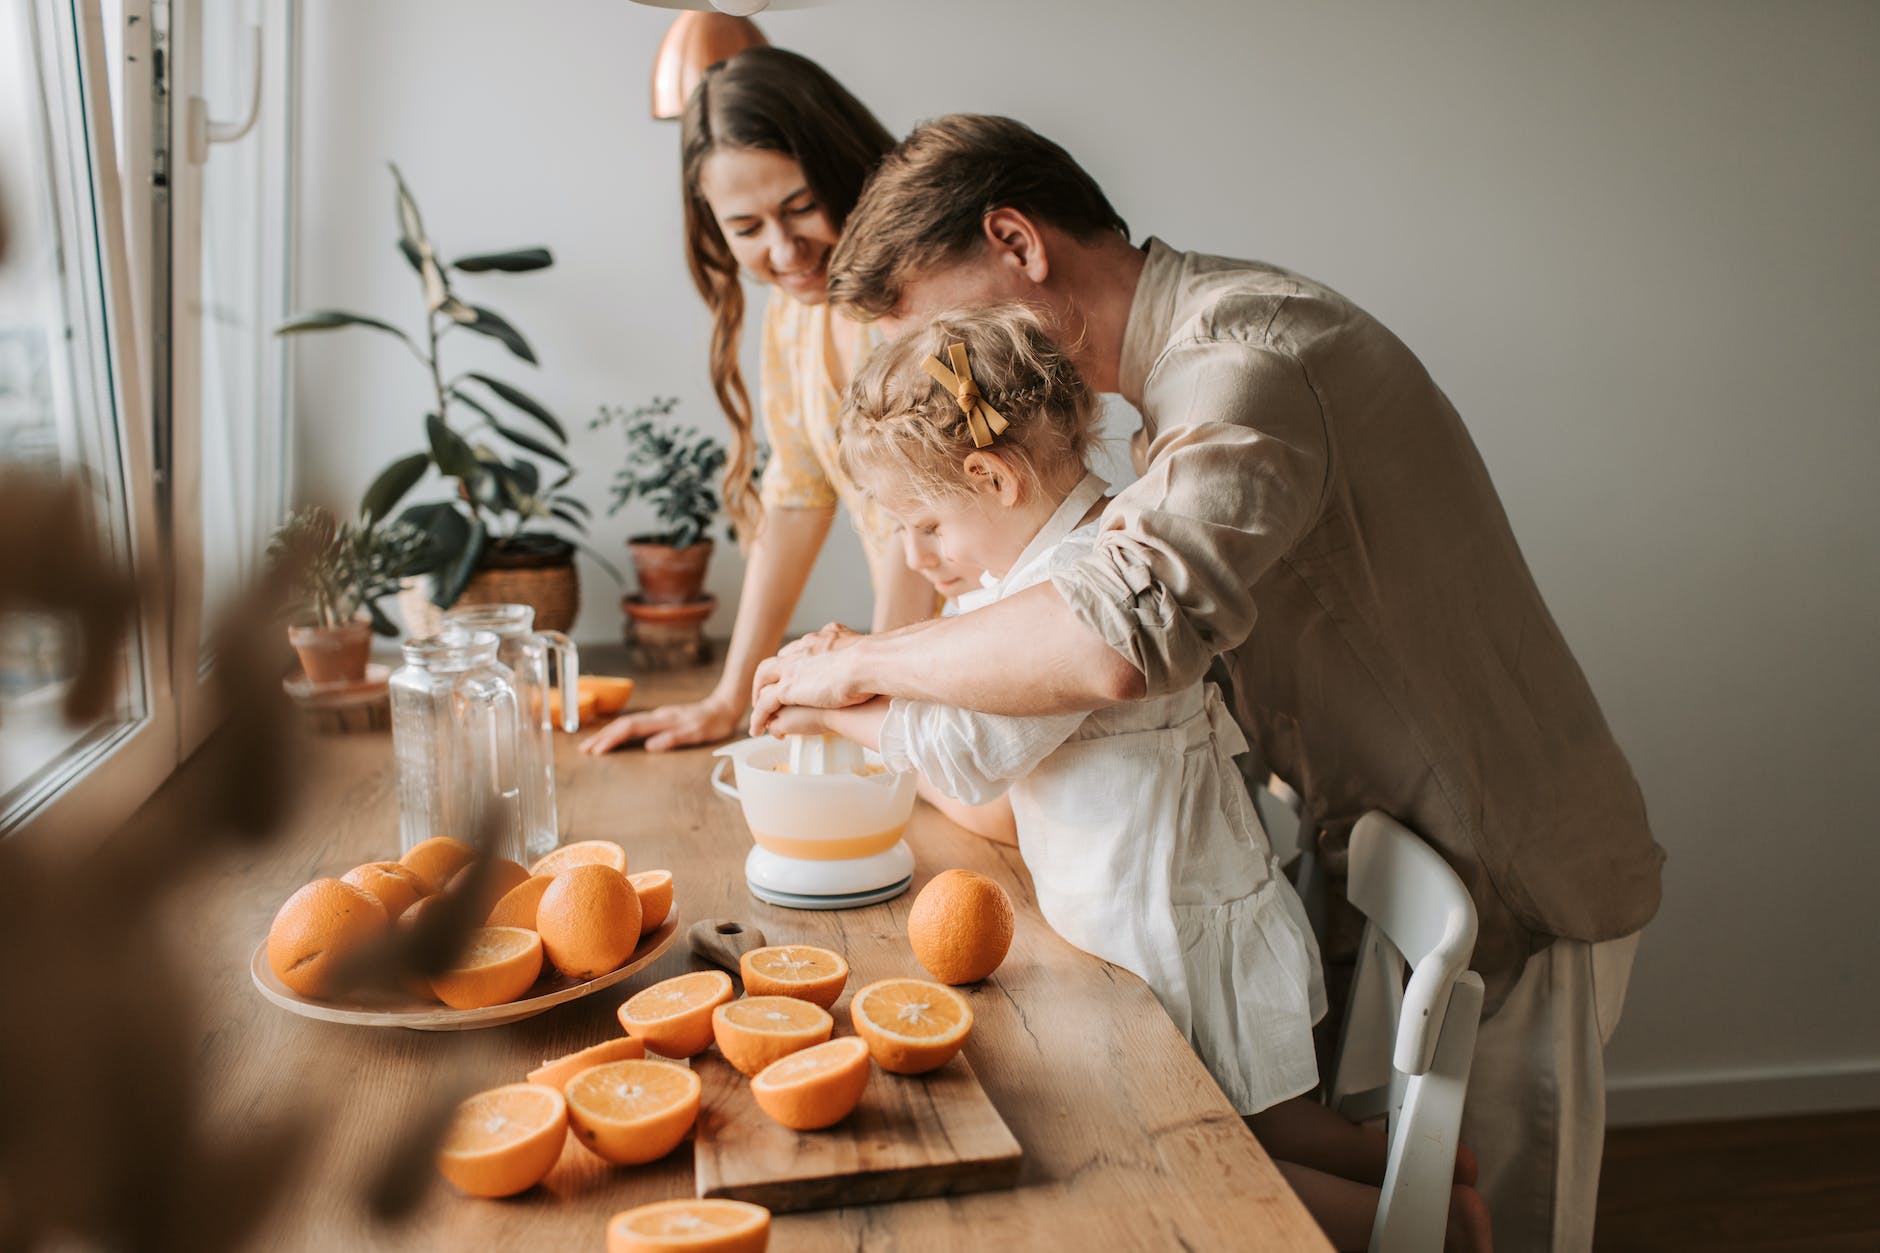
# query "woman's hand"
(669, 726)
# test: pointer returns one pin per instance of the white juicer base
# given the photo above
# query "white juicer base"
(842, 884)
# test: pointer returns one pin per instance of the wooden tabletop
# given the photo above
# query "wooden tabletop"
(1128, 1143)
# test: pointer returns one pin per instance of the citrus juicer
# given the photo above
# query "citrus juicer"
(826, 819)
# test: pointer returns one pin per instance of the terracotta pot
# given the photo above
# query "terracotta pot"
(543, 578)
(668, 575)
(333, 654)
(667, 637)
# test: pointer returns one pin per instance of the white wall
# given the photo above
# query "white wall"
(1636, 243)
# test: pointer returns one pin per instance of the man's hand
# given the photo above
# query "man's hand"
(826, 640)
(801, 720)
(821, 679)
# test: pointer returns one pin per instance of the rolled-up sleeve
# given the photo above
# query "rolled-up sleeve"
(972, 757)
(1235, 474)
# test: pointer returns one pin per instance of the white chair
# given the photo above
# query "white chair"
(1406, 1048)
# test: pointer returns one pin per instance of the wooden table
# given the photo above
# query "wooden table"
(1128, 1143)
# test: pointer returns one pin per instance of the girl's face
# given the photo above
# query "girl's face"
(950, 539)
(776, 229)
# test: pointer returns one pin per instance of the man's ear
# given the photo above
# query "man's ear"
(989, 472)
(1017, 242)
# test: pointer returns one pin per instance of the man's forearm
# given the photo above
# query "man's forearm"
(1026, 655)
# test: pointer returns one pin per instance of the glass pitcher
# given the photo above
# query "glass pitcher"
(527, 653)
(456, 732)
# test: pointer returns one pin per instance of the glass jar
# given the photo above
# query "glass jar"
(528, 653)
(456, 733)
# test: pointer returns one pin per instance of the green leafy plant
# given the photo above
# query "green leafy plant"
(503, 501)
(672, 466)
(335, 568)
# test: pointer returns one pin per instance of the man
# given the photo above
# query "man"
(1312, 509)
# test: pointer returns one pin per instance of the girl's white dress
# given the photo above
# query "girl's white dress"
(1144, 848)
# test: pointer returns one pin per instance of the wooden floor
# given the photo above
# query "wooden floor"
(1774, 1183)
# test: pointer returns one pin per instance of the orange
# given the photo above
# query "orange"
(705, 1226)
(816, 1087)
(654, 888)
(960, 926)
(517, 906)
(674, 1017)
(799, 970)
(635, 1111)
(555, 1074)
(610, 695)
(437, 859)
(504, 1141)
(756, 1031)
(397, 887)
(912, 1026)
(497, 965)
(583, 853)
(501, 876)
(318, 930)
(589, 919)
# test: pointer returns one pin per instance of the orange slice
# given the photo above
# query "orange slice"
(674, 1018)
(634, 1111)
(504, 1141)
(435, 860)
(799, 970)
(655, 891)
(708, 1226)
(911, 1025)
(497, 965)
(756, 1031)
(816, 1087)
(555, 1074)
(609, 695)
(583, 853)
(518, 905)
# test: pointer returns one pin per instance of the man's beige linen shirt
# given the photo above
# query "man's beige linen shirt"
(1312, 507)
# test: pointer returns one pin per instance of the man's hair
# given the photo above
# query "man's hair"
(927, 200)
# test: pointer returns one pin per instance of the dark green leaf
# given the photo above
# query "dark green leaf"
(529, 442)
(449, 583)
(381, 625)
(444, 523)
(574, 520)
(492, 324)
(392, 484)
(410, 225)
(458, 393)
(575, 502)
(449, 450)
(411, 253)
(528, 477)
(514, 261)
(523, 401)
(332, 320)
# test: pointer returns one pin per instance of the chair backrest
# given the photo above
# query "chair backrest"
(1406, 1047)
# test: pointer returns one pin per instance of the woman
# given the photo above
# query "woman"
(774, 155)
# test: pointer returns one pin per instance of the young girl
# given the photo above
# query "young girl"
(971, 434)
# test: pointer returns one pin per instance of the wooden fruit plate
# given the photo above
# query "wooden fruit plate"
(389, 1009)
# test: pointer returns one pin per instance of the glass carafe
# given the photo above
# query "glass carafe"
(456, 732)
(528, 652)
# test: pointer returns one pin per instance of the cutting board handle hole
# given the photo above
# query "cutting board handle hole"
(730, 928)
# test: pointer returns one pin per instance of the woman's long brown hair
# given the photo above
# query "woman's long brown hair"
(772, 101)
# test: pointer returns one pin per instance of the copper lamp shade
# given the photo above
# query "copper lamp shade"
(696, 41)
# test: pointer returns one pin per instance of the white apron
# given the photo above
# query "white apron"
(1144, 849)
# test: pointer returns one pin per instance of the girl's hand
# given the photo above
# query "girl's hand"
(800, 720)
(669, 726)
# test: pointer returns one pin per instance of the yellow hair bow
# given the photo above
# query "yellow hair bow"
(981, 418)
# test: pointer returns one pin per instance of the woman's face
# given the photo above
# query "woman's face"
(777, 230)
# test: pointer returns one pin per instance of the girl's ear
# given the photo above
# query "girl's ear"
(991, 473)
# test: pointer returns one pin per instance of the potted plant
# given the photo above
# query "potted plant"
(508, 529)
(336, 574)
(675, 469)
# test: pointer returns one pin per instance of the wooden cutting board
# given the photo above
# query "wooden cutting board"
(912, 1136)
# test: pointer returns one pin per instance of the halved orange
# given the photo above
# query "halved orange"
(705, 1226)
(911, 1025)
(555, 1074)
(655, 890)
(435, 860)
(633, 1111)
(497, 965)
(518, 905)
(582, 853)
(504, 1141)
(816, 1087)
(799, 970)
(610, 695)
(397, 887)
(756, 1031)
(674, 1017)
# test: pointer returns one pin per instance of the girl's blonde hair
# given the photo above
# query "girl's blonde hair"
(902, 419)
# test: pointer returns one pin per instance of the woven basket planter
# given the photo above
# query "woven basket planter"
(549, 585)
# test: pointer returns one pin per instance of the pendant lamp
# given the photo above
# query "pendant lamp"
(695, 42)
